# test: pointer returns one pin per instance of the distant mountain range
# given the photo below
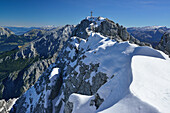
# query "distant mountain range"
(150, 34)
(9, 40)
(20, 30)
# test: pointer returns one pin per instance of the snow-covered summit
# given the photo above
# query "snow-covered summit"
(91, 18)
(96, 21)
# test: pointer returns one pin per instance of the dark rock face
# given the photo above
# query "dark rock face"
(97, 101)
(164, 44)
(113, 30)
(16, 85)
(82, 29)
(68, 107)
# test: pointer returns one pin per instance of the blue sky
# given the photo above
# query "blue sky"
(62, 12)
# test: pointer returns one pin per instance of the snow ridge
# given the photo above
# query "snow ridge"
(116, 59)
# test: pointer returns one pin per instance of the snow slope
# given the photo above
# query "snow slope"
(141, 78)
(151, 81)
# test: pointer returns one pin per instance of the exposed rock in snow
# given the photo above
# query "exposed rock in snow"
(164, 44)
(5, 32)
(5, 106)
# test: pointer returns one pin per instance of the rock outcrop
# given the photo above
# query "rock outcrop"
(5, 32)
(164, 44)
(5, 106)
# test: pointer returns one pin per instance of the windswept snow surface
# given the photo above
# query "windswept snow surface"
(141, 82)
(151, 81)
(81, 103)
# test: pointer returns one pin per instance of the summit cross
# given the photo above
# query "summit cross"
(91, 13)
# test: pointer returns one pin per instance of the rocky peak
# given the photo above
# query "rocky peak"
(34, 32)
(5, 31)
(107, 28)
(7, 105)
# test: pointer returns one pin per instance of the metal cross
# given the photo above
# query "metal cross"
(91, 13)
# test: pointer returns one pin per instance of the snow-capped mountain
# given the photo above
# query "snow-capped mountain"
(150, 34)
(101, 69)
